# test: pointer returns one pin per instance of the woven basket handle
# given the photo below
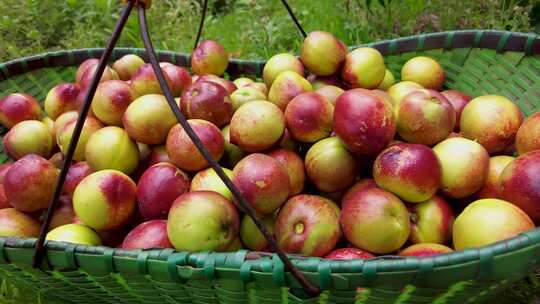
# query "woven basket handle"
(308, 287)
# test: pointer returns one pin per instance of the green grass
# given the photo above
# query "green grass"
(248, 28)
(523, 292)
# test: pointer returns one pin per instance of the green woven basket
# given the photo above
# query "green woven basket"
(476, 62)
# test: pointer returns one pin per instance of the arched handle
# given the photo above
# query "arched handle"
(308, 286)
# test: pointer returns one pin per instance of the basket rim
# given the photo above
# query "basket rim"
(501, 41)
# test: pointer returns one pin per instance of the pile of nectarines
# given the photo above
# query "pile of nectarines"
(336, 158)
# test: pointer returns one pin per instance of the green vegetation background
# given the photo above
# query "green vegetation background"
(248, 28)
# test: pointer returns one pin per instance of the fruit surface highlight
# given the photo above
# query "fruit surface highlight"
(375, 210)
(410, 171)
(151, 234)
(491, 188)
(424, 117)
(157, 189)
(209, 101)
(62, 98)
(464, 165)
(287, 86)
(209, 180)
(17, 107)
(202, 221)
(309, 117)
(29, 183)
(520, 184)
(28, 137)
(487, 221)
(363, 68)
(364, 121)
(424, 71)
(322, 53)
(257, 126)
(308, 224)
(280, 63)
(209, 57)
(111, 101)
(14, 223)
(330, 166)
(431, 221)
(74, 233)
(148, 119)
(183, 152)
(492, 121)
(528, 134)
(64, 134)
(425, 250)
(105, 199)
(111, 148)
(263, 181)
(127, 66)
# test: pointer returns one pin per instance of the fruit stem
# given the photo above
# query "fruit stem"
(299, 228)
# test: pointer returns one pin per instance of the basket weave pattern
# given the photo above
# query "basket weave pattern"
(476, 62)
